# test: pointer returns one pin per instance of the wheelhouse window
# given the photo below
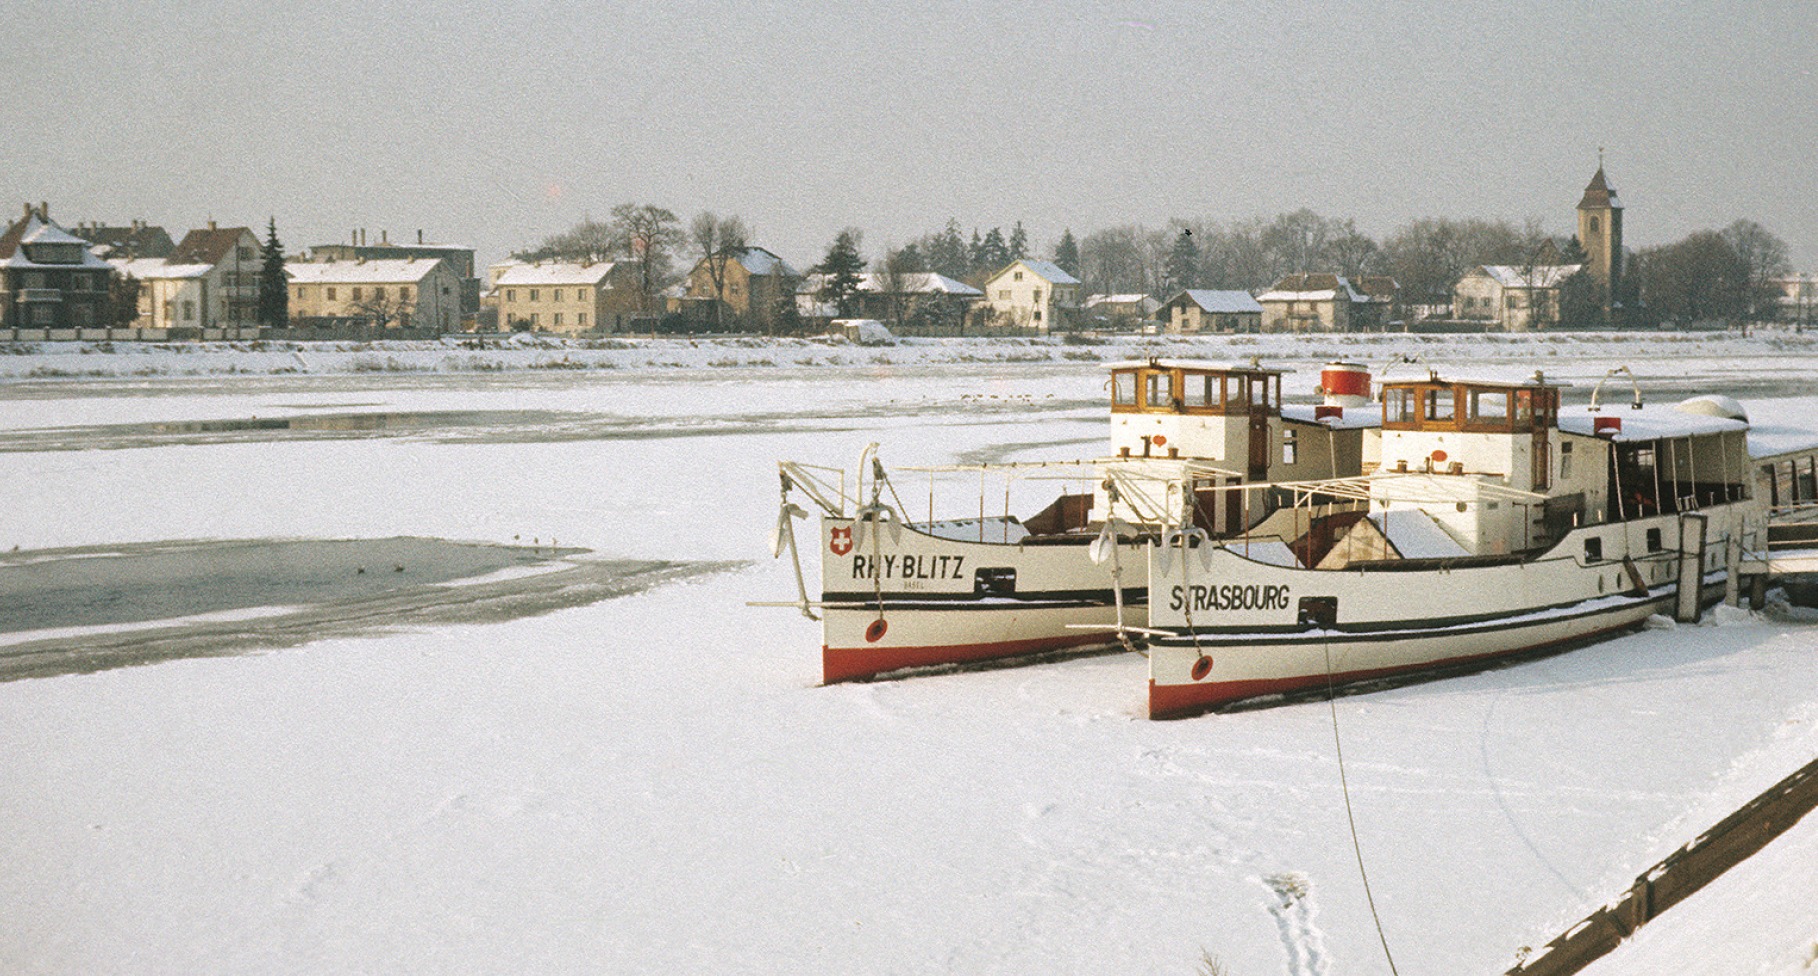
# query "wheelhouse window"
(1157, 390)
(1398, 406)
(1438, 405)
(1123, 389)
(1490, 408)
(1202, 391)
(1290, 446)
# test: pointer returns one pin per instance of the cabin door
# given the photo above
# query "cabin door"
(1543, 460)
(1259, 444)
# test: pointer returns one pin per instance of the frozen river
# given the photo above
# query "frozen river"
(646, 778)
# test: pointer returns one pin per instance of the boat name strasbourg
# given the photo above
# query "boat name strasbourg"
(1229, 597)
(907, 567)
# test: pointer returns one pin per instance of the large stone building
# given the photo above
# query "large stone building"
(459, 256)
(50, 280)
(1035, 295)
(553, 296)
(404, 293)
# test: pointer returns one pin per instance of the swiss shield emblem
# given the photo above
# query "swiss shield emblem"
(842, 542)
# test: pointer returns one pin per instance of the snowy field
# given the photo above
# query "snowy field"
(653, 782)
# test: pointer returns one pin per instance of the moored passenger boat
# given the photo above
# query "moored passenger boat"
(1495, 524)
(899, 593)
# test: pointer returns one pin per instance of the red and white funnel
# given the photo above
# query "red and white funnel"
(1345, 384)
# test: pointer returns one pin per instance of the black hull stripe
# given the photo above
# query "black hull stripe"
(1137, 597)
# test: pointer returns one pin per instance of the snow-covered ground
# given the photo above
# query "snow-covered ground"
(655, 783)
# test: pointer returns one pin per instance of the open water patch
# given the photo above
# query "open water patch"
(66, 611)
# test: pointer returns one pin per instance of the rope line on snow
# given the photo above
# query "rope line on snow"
(1351, 818)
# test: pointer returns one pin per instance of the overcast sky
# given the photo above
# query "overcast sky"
(495, 124)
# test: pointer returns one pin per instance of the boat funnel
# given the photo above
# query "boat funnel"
(1345, 384)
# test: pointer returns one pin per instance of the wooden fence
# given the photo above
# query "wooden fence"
(1683, 872)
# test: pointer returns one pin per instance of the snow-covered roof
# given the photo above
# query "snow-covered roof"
(49, 233)
(554, 273)
(1352, 418)
(1220, 301)
(1312, 288)
(35, 230)
(759, 261)
(1539, 276)
(1044, 269)
(1141, 301)
(384, 272)
(913, 283)
(148, 269)
(1417, 535)
(1650, 422)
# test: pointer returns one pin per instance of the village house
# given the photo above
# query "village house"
(136, 240)
(403, 293)
(554, 296)
(1134, 310)
(1796, 298)
(753, 283)
(1035, 295)
(171, 296)
(51, 285)
(459, 256)
(1310, 303)
(232, 255)
(917, 302)
(1510, 298)
(1208, 310)
(1381, 305)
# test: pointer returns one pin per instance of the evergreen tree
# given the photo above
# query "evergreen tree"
(1066, 253)
(1019, 242)
(914, 260)
(274, 285)
(1183, 262)
(947, 252)
(995, 252)
(1573, 252)
(840, 270)
(975, 254)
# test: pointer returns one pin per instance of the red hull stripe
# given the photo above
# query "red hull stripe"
(1181, 701)
(847, 663)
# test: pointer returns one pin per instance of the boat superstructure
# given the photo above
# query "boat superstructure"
(977, 582)
(1494, 523)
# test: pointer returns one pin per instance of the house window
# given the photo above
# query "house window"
(533, 320)
(511, 294)
(558, 297)
(1003, 293)
(1290, 447)
(189, 311)
(404, 293)
(41, 314)
(1509, 301)
(533, 294)
(1018, 276)
(378, 294)
(299, 293)
(356, 294)
(580, 319)
(331, 294)
(558, 320)
(246, 253)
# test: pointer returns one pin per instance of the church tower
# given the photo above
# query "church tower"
(1600, 232)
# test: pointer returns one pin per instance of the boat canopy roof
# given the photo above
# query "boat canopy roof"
(1648, 423)
(1351, 418)
(1534, 382)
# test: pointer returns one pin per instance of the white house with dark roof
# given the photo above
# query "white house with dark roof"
(917, 300)
(1212, 310)
(403, 293)
(1034, 295)
(1514, 299)
(555, 296)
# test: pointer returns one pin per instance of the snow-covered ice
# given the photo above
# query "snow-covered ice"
(655, 782)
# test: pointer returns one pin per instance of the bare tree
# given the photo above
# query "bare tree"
(892, 274)
(381, 306)
(1766, 257)
(718, 241)
(648, 236)
(588, 242)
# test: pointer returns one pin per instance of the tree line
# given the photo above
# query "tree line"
(1717, 274)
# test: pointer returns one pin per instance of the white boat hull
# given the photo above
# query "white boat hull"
(1258, 630)
(905, 599)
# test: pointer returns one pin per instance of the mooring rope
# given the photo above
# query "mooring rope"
(1351, 818)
